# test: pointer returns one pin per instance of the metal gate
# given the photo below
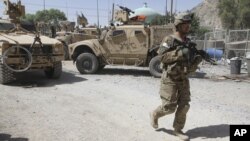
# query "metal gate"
(214, 43)
(237, 44)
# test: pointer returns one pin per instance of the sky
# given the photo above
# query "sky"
(89, 7)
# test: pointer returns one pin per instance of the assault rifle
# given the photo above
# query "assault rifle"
(192, 46)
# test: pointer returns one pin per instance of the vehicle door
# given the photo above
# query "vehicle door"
(138, 43)
(116, 42)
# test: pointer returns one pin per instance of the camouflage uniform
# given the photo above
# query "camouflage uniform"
(178, 59)
(175, 89)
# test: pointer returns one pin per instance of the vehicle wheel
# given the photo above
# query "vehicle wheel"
(55, 71)
(87, 63)
(154, 67)
(6, 75)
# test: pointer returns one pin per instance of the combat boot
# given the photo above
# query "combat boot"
(153, 119)
(181, 135)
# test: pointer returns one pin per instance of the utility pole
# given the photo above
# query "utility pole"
(113, 8)
(67, 10)
(171, 12)
(166, 9)
(166, 12)
(98, 26)
(43, 5)
(97, 14)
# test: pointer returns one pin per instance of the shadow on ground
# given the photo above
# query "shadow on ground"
(213, 131)
(31, 79)
(7, 137)
(122, 71)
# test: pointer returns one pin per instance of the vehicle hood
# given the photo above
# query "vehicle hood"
(85, 42)
(26, 39)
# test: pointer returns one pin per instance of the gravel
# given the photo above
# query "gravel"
(115, 104)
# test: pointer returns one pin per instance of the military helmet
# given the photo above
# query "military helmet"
(182, 18)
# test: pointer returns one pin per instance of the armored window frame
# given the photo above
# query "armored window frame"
(6, 26)
(118, 32)
(136, 32)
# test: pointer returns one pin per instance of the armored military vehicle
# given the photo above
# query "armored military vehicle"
(68, 38)
(22, 50)
(128, 44)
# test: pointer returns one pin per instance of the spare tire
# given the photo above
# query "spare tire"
(154, 67)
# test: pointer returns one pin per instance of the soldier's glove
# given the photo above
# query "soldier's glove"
(185, 53)
(197, 59)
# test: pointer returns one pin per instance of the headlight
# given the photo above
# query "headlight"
(13, 50)
(58, 48)
(4, 45)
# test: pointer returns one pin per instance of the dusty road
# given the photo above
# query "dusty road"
(114, 105)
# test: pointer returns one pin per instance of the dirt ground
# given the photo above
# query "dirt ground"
(114, 105)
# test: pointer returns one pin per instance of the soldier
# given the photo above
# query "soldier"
(177, 61)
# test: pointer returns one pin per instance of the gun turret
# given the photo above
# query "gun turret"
(126, 9)
(14, 10)
(123, 14)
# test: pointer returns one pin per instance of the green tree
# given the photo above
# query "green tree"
(46, 16)
(195, 24)
(196, 30)
(234, 14)
(29, 18)
(244, 13)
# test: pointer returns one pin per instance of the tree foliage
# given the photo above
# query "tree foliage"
(195, 24)
(46, 16)
(196, 30)
(235, 14)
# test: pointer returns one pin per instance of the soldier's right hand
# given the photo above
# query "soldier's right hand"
(185, 53)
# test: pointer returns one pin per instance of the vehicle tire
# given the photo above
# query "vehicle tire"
(154, 67)
(55, 71)
(6, 75)
(87, 63)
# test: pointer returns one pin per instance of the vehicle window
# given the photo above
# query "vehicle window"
(138, 32)
(6, 26)
(93, 33)
(84, 32)
(118, 32)
(29, 27)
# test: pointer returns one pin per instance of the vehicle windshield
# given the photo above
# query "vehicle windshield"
(6, 26)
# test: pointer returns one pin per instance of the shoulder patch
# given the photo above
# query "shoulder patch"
(166, 44)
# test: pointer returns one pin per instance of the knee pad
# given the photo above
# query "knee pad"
(184, 108)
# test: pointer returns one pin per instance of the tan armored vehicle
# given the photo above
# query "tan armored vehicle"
(123, 45)
(68, 38)
(135, 45)
(22, 50)
(67, 35)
